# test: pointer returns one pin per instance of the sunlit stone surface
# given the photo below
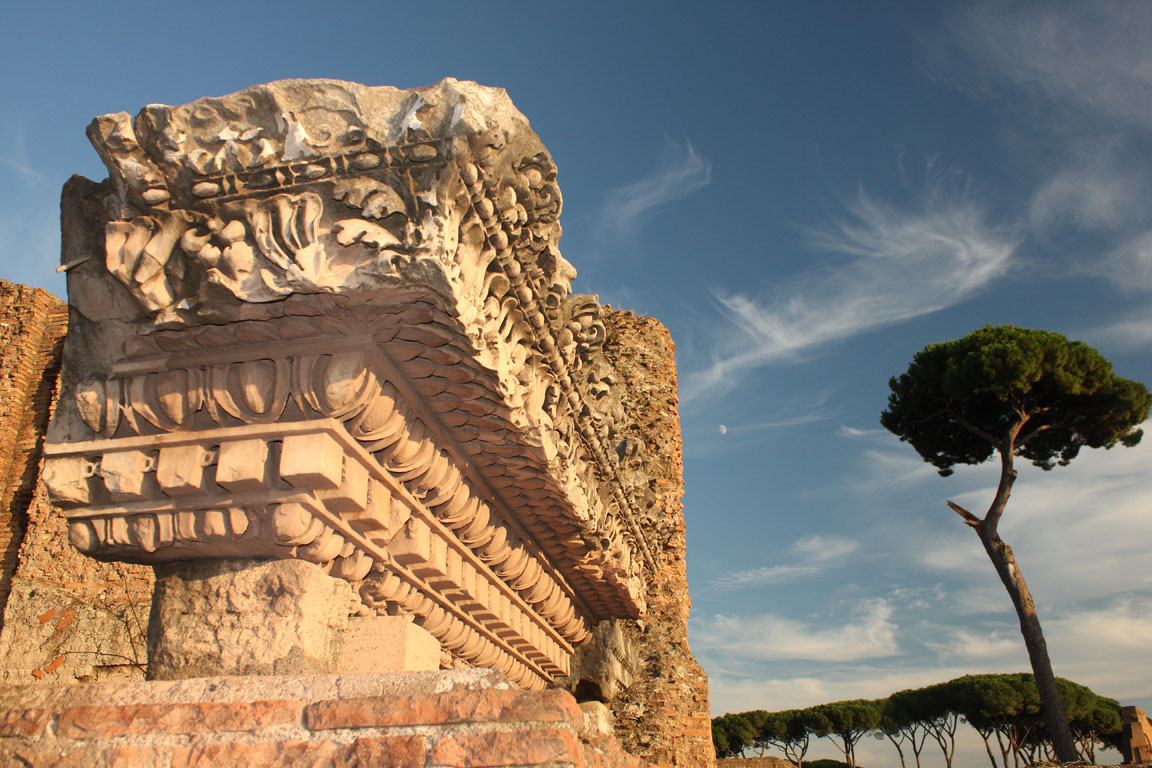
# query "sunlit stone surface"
(320, 321)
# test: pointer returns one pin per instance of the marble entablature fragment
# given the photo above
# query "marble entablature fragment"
(330, 322)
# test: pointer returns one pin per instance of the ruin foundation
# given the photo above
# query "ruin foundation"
(324, 372)
(465, 718)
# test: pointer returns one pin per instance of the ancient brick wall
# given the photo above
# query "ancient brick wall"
(32, 327)
(664, 716)
(64, 616)
(467, 719)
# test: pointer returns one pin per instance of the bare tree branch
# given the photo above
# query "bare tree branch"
(969, 518)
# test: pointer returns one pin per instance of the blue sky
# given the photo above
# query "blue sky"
(805, 194)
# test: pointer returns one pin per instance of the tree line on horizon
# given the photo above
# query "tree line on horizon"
(1005, 709)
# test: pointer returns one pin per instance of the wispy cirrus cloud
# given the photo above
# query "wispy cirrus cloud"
(1132, 332)
(1002, 648)
(824, 549)
(868, 633)
(769, 574)
(795, 414)
(811, 555)
(1081, 78)
(902, 263)
(760, 426)
(682, 171)
(1090, 58)
(890, 467)
(1095, 190)
(26, 171)
(857, 433)
(1129, 265)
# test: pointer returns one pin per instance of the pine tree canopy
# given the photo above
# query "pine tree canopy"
(1036, 392)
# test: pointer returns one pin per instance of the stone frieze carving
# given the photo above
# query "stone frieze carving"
(321, 269)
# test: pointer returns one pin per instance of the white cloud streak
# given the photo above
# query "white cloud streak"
(29, 173)
(1129, 266)
(1093, 58)
(814, 555)
(904, 264)
(769, 574)
(682, 171)
(1003, 649)
(1132, 332)
(1093, 193)
(889, 468)
(1084, 73)
(736, 431)
(869, 634)
(856, 432)
(794, 421)
(823, 549)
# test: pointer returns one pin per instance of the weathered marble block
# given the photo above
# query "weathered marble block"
(236, 617)
(326, 322)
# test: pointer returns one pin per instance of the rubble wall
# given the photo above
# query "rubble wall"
(467, 719)
(664, 716)
(66, 617)
(32, 327)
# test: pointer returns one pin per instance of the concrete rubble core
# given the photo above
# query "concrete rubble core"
(329, 324)
(66, 616)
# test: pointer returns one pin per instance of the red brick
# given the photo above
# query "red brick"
(452, 707)
(381, 752)
(499, 748)
(85, 757)
(113, 721)
(26, 722)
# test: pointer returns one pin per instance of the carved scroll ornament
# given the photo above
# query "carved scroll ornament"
(354, 342)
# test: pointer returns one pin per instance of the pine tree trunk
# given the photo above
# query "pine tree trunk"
(1050, 702)
(899, 751)
(988, 749)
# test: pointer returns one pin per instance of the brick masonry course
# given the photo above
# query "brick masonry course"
(455, 719)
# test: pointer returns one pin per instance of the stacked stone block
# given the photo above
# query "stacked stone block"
(467, 719)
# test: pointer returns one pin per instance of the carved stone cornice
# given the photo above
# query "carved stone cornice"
(375, 270)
